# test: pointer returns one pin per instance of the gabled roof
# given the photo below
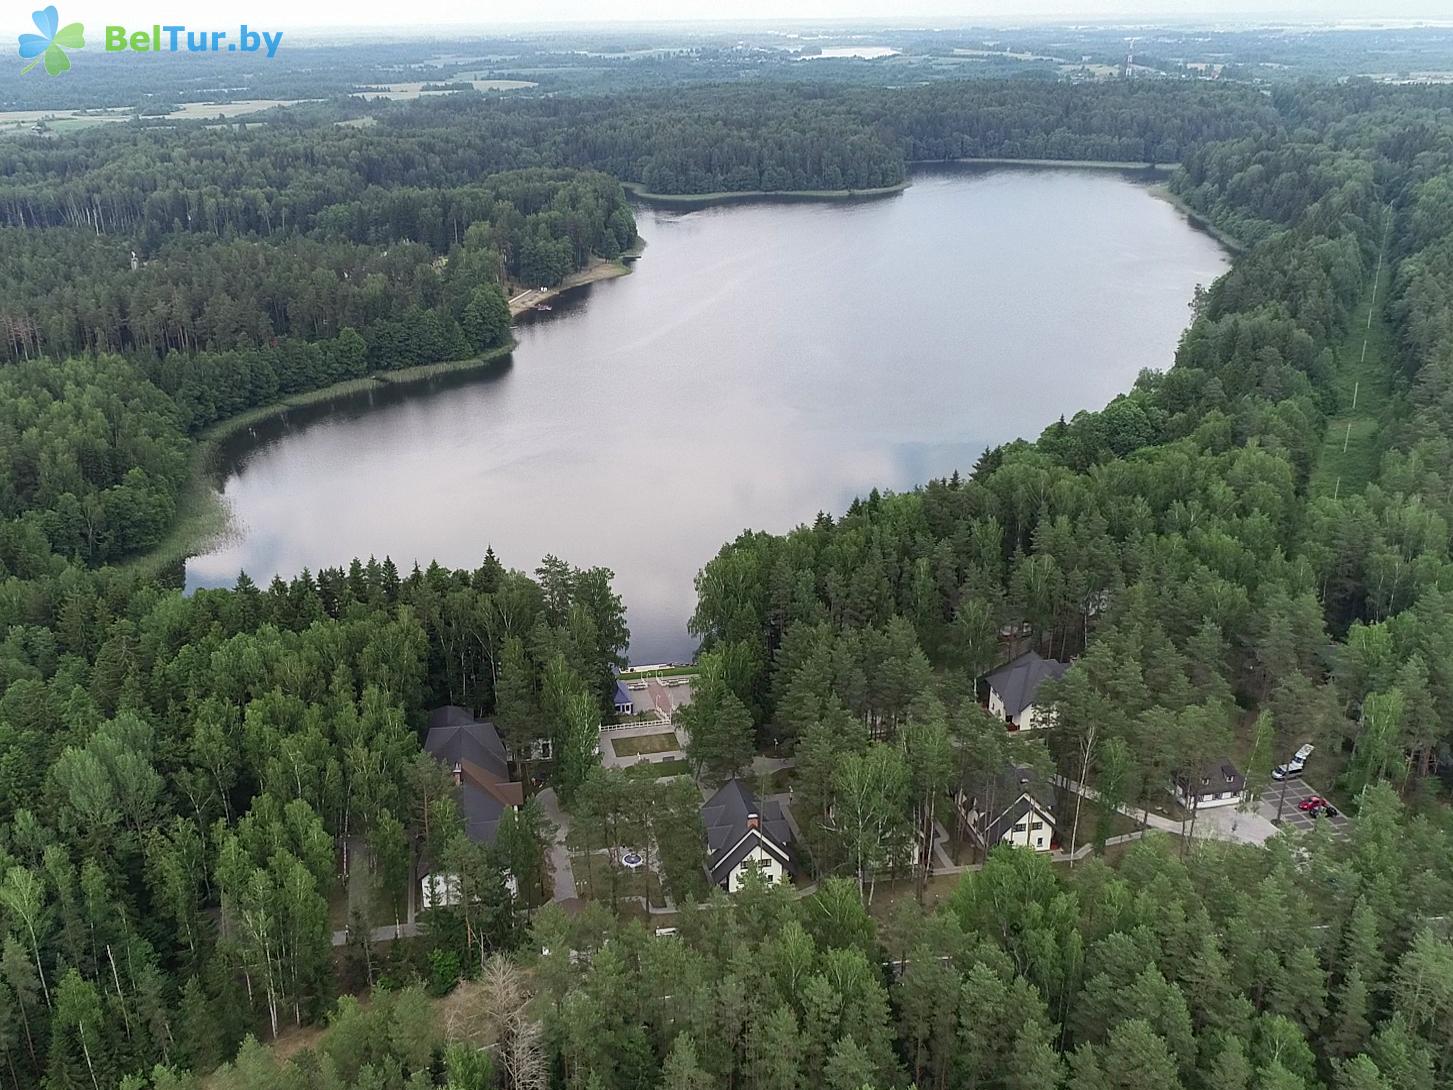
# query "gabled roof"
(622, 695)
(1217, 776)
(729, 840)
(455, 735)
(457, 740)
(1017, 791)
(1023, 806)
(1018, 680)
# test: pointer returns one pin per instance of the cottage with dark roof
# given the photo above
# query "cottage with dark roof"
(472, 752)
(1014, 686)
(1017, 808)
(743, 835)
(1219, 784)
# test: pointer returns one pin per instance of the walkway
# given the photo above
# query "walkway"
(1216, 823)
(765, 766)
(559, 854)
(387, 933)
(404, 929)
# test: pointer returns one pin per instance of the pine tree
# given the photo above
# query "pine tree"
(1350, 1029)
(681, 1070)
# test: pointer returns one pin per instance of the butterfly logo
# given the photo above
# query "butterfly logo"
(51, 43)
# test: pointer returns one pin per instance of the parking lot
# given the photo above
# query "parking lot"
(1293, 818)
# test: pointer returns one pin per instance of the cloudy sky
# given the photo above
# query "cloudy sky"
(219, 14)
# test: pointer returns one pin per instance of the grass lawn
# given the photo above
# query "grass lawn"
(675, 766)
(593, 880)
(381, 905)
(635, 745)
(888, 894)
(777, 781)
(670, 671)
(1353, 444)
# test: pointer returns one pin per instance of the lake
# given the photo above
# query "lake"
(762, 363)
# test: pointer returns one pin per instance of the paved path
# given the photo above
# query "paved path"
(1144, 817)
(387, 933)
(765, 766)
(942, 861)
(403, 929)
(559, 854)
(1213, 823)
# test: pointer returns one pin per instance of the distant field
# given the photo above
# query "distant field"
(404, 91)
(483, 81)
(207, 110)
(19, 122)
(1021, 56)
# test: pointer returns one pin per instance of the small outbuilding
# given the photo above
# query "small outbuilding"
(625, 705)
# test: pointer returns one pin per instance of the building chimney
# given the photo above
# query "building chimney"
(458, 773)
(754, 821)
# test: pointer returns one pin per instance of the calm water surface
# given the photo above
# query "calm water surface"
(762, 363)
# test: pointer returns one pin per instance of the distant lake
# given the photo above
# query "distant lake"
(764, 362)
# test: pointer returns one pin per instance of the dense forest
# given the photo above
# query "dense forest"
(147, 182)
(318, 71)
(188, 780)
(205, 327)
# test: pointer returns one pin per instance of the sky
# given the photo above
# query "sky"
(486, 14)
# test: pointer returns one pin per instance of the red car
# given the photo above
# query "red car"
(1315, 803)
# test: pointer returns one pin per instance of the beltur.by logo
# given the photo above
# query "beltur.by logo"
(51, 43)
(175, 39)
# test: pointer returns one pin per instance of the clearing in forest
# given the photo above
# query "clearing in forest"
(1362, 382)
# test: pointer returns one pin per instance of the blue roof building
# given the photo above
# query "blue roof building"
(624, 704)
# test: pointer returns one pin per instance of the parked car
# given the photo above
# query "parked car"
(1315, 802)
(1293, 768)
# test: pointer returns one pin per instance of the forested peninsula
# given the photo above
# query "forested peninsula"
(187, 781)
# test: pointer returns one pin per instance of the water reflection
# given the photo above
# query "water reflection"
(762, 363)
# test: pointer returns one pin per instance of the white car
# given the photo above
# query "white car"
(1293, 768)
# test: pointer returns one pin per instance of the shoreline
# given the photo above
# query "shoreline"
(1059, 164)
(202, 517)
(224, 429)
(600, 269)
(694, 201)
(1200, 222)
